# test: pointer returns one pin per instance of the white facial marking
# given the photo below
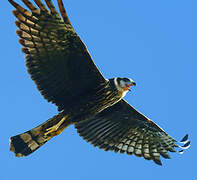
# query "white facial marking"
(116, 82)
(123, 84)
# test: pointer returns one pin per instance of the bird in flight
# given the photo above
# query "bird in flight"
(65, 74)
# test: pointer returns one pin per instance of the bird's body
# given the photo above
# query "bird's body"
(92, 103)
(61, 66)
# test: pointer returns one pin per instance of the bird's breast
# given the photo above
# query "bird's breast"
(88, 105)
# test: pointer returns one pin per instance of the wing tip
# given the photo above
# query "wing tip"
(185, 138)
(186, 144)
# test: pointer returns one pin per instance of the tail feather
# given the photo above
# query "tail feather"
(26, 143)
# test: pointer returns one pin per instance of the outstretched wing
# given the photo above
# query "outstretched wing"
(56, 58)
(122, 128)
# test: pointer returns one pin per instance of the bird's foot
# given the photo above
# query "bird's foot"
(53, 131)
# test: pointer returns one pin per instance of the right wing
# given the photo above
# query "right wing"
(56, 58)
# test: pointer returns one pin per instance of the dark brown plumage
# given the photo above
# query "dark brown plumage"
(61, 67)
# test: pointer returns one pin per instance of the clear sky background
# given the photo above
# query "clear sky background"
(154, 42)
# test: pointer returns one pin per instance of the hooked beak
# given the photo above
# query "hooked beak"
(128, 86)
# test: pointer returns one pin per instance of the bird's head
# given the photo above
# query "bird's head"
(124, 84)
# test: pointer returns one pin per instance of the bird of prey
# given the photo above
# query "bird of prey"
(65, 74)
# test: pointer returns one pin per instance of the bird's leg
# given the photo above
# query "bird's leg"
(55, 130)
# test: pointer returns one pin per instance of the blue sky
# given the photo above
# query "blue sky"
(154, 42)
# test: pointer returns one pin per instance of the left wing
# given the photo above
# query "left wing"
(122, 128)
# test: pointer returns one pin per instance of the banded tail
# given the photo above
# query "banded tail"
(26, 143)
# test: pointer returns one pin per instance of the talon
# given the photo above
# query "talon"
(50, 130)
(54, 129)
